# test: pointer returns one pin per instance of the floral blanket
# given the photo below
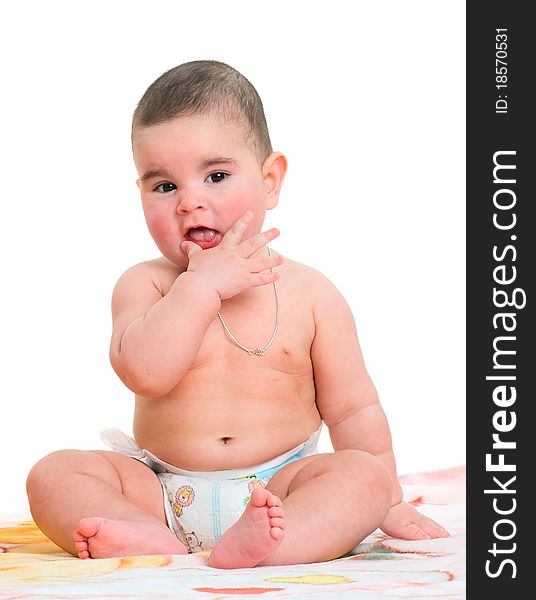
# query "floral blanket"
(31, 566)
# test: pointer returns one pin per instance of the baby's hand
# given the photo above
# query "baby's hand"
(403, 521)
(228, 267)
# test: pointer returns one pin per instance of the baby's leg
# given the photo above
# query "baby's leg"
(100, 504)
(330, 501)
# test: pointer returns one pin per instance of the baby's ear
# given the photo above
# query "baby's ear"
(273, 171)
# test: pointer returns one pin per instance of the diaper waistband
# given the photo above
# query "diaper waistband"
(124, 444)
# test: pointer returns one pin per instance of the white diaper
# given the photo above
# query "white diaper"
(201, 505)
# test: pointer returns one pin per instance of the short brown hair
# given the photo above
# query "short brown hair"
(205, 86)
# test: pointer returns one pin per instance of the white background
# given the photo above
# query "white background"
(366, 99)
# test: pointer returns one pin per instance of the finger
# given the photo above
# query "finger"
(236, 232)
(413, 532)
(263, 263)
(264, 278)
(433, 529)
(190, 248)
(258, 241)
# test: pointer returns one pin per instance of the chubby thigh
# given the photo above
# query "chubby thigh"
(136, 483)
(68, 485)
(343, 472)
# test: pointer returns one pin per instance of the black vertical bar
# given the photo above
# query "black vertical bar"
(501, 257)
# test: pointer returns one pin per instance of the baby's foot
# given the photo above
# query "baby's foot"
(103, 538)
(257, 533)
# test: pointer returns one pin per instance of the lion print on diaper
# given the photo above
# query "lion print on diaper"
(252, 485)
(183, 497)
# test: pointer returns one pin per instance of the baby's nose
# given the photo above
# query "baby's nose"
(189, 200)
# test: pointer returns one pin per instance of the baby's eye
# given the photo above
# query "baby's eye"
(216, 177)
(165, 187)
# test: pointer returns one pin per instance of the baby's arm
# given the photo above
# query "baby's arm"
(345, 395)
(149, 329)
(155, 339)
(349, 405)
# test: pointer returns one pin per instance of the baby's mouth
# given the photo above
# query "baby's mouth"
(204, 237)
(202, 234)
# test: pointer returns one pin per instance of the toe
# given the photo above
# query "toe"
(78, 537)
(277, 522)
(89, 526)
(259, 497)
(273, 501)
(81, 545)
(276, 511)
(277, 533)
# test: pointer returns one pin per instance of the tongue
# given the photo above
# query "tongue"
(202, 234)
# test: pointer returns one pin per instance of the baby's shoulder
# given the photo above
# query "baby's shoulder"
(159, 272)
(306, 278)
(314, 289)
(304, 272)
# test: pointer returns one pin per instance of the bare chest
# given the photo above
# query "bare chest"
(230, 398)
(256, 334)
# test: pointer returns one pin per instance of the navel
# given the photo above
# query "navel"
(226, 440)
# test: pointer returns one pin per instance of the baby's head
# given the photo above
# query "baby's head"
(205, 87)
(204, 156)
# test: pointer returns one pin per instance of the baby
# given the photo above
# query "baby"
(233, 373)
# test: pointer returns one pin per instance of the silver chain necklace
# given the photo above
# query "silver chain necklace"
(256, 351)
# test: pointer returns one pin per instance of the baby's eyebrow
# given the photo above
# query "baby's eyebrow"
(217, 160)
(154, 173)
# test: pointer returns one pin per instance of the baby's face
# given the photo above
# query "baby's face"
(197, 176)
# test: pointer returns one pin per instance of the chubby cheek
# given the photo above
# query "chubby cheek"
(239, 202)
(165, 237)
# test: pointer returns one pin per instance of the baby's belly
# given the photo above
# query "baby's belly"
(229, 423)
